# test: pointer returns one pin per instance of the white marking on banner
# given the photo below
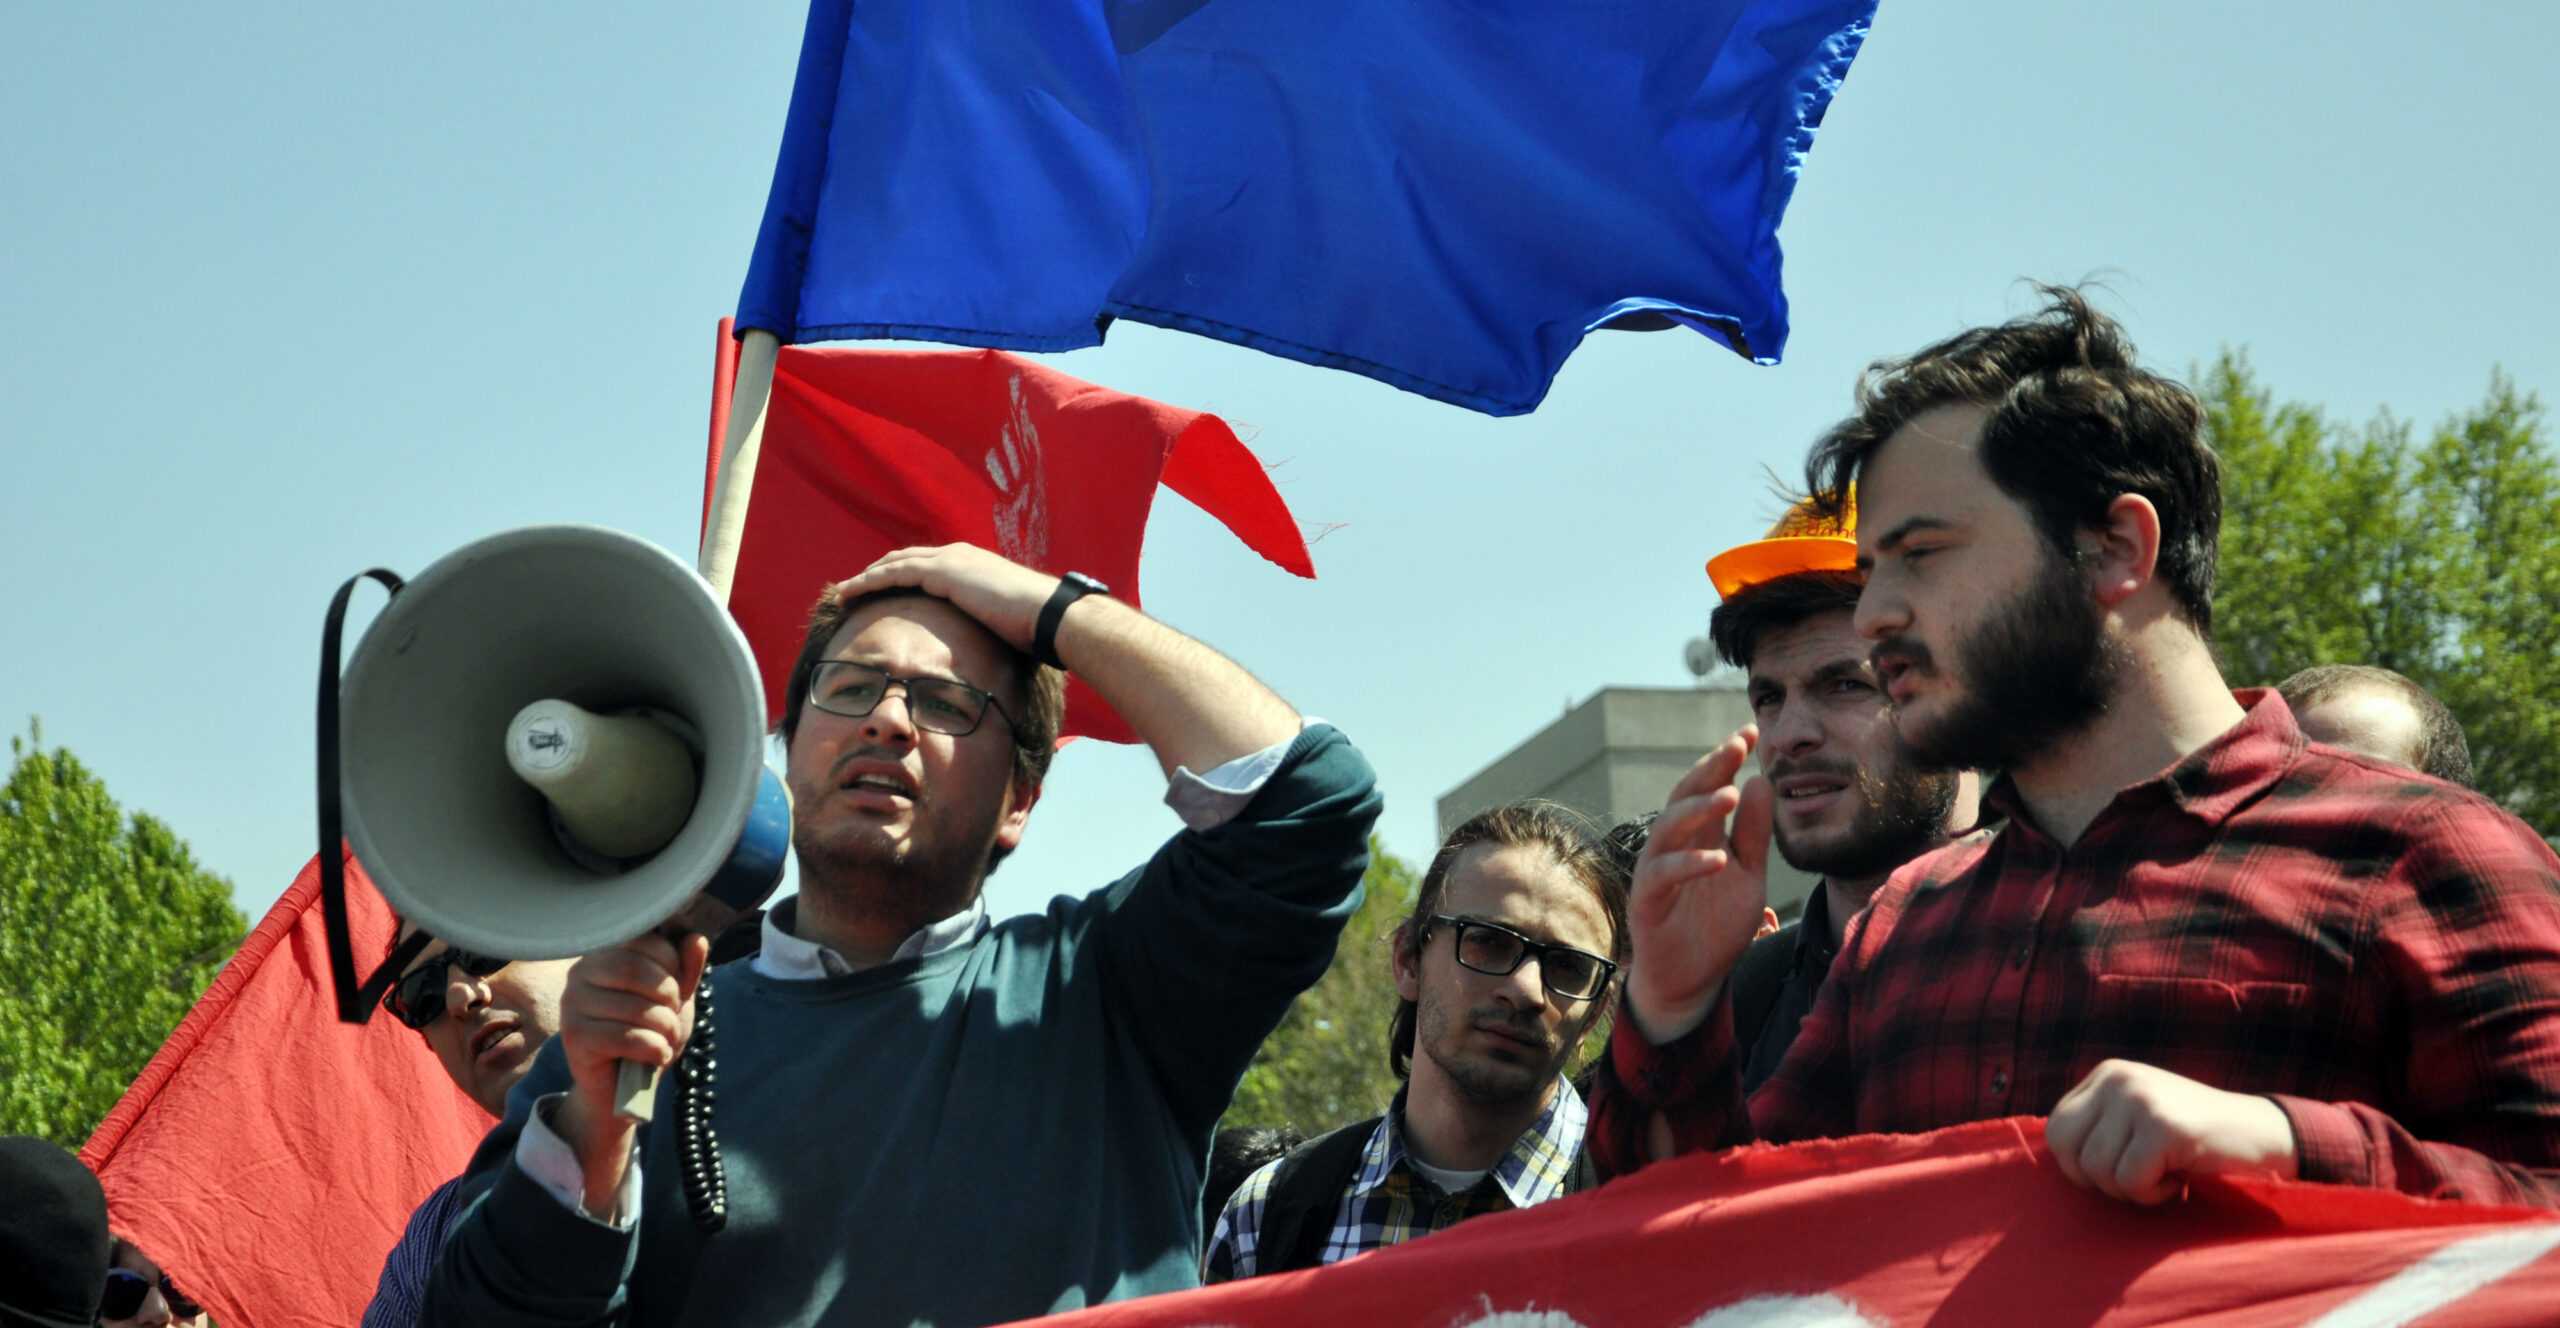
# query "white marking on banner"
(2443, 1277)
(1021, 478)
(1786, 1312)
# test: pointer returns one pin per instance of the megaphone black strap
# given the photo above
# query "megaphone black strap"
(355, 1000)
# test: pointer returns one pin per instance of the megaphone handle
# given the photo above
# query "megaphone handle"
(635, 1091)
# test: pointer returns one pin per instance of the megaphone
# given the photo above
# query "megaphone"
(550, 741)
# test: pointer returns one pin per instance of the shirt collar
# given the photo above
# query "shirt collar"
(2214, 780)
(1533, 1171)
(1813, 927)
(790, 958)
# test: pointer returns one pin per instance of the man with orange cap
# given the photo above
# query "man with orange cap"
(1850, 804)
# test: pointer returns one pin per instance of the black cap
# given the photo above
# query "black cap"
(53, 1237)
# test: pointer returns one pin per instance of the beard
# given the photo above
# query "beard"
(1902, 813)
(1481, 1079)
(2037, 670)
(929, 875)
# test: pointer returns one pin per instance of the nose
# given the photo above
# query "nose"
(464, 995)
(1795, 730)
(887, 727)
(1882, 609)
(1526, 986)
(155, 1309)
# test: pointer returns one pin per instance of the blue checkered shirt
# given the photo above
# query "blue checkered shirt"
(1390, 1202)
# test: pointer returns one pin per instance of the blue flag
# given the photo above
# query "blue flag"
(1447, 195)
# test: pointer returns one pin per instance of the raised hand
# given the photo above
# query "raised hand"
(1003, 595)
(1700, 889)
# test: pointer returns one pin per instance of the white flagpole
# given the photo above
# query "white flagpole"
(728, 523)
(636, 1085)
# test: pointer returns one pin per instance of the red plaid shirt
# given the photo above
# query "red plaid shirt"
(2375, 951)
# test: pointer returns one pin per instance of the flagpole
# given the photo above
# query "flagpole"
(727, 524)
(636, 1085)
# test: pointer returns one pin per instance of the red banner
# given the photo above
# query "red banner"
(269, 1156)
(1967, 1226)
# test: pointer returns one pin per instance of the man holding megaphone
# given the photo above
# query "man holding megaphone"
(926, 1117)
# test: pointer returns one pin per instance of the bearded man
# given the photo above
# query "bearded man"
(2199, 943)
(925, 1117)
(1850, 804)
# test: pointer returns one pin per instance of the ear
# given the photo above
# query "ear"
(1404, 960)
(2128, 550)
(1018, 799)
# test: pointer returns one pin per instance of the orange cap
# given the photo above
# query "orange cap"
(1804, 540)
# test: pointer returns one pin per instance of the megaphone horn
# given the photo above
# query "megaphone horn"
(547, 743)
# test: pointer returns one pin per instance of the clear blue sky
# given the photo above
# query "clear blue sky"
(298, 290)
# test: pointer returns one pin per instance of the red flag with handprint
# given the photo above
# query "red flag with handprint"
(870, 450)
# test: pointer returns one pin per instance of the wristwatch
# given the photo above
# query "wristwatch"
(1044, 637)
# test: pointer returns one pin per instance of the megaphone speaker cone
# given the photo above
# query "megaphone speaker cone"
(435, 808)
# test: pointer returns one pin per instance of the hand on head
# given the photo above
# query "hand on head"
(1003, 595)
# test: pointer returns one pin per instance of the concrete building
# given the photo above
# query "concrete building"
(1616, 756)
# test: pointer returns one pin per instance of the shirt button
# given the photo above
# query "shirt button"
(2019, 960)
(1999, 1082)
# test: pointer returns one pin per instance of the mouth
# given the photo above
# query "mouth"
(492, 1037)
(1506, 1035)
(1898, 672)
(880, 780)
(1810, 792)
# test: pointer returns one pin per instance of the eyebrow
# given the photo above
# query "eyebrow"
(1840, 668)
(1892, 539)
(1520, 928)
(935, 675)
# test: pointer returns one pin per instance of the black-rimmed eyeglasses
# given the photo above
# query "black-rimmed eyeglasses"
(1498, 951)
(936, 705)
(417, 999)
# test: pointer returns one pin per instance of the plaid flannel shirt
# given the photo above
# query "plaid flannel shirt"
(1389, 1202)
(2376, 952)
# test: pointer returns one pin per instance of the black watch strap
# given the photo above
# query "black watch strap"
(1044, 636)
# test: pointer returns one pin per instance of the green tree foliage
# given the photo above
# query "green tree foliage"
(108, 933)
(1327, 1064)
(2437, 557)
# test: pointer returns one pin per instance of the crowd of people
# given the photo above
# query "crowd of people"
(2065, 870)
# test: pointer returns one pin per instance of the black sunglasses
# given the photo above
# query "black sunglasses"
(1496, 950)
(126, 1288)
(417, 999)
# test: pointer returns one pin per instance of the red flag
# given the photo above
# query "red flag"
(269, 1156)
(1970, 1225)
(869, 450)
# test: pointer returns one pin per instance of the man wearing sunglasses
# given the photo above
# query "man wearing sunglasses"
(1505, 965)
(925, 1116)
(139, 1295)
(484, 1019)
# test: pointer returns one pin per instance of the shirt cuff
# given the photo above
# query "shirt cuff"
(548, 1160)
(1205, 802)
(1671, 1073)
(2328, 1141)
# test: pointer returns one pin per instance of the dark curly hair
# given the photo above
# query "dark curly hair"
(2074, 425)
